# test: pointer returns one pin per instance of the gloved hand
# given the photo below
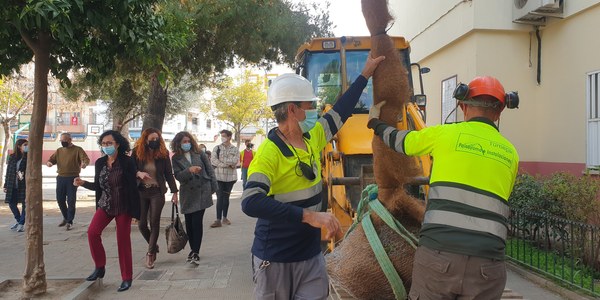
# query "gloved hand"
(375, 110)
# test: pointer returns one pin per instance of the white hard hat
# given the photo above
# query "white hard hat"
(290, 88)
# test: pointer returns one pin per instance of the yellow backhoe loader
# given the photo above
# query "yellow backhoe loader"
(331, 65)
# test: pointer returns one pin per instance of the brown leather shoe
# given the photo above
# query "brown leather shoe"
(226, 221)
(217, 223)
(63, 223)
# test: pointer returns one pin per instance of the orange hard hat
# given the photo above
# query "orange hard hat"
(487, 85)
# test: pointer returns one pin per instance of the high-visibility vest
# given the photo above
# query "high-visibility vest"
(473, 173)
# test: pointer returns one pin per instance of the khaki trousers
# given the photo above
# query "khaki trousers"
(442, 275)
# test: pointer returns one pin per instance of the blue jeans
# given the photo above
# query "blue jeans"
(66, 195)
(12, 204)
(244, 177)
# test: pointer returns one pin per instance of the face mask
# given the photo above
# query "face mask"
(65, 144)
(310, 121)
(186, 147)
(224, 140)
(154, 145)
(110, 150)
(25, 149)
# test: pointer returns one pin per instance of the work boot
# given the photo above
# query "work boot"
(226, 221)
(217, 223)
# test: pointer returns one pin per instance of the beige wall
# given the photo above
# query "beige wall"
(479, 38)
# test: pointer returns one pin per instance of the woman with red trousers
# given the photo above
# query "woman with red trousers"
(116, 198)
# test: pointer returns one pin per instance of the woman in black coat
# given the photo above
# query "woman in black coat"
(116, 198)
(14, 183)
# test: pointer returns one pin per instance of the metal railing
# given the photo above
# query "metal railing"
(565, 250)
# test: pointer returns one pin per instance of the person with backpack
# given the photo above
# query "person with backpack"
(225, 158)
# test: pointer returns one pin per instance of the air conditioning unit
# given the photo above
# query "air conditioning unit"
(535, 11)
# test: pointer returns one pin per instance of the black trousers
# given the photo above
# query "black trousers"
(223, 198)
(193, 226)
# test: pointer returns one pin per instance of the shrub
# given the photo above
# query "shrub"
(576, 196)
(527, 194)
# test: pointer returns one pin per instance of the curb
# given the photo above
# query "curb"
(546, 283)
(81, 292)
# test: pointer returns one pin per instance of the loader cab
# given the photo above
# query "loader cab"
(332, 64)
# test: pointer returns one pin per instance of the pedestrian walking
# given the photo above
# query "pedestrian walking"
(225, 157)
(69, 160)
(117, 198)
(154, 171)
(284, 189)
(197, 182)
(246, 157)
(463, 237)
(14, 183)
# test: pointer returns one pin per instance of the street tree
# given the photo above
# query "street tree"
(13, 99)
(241, 103)
(63, 35)
(221, 33)
(125, 94)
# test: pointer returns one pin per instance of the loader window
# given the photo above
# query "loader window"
(323, 71)
(355, 61)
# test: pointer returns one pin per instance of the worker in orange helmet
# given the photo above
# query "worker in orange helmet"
(462, 239)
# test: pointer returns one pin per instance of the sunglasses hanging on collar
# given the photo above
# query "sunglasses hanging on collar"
(305, 169)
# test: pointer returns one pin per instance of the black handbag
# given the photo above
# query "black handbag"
(175, 234)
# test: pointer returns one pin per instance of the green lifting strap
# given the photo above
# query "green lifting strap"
(369, 199)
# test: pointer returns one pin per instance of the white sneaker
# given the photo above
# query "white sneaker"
(20, 228)
(14, 226)
(69, 226)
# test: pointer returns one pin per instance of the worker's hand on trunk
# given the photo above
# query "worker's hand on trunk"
(375, 110)
(371, 65)
(322, 220)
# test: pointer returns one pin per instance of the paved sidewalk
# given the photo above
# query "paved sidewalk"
(225, 265)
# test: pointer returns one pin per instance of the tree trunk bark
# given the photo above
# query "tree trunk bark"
(157, 102)
(34, 278)
(6, 127)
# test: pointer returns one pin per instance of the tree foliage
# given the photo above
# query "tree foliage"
(226, 32)
(242, 103)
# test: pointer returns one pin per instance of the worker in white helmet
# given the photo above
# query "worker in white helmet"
(284, 189)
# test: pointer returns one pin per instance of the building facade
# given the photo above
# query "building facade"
(544, 49)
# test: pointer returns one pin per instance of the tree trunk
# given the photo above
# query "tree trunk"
(157, 102)
(6, 127)
(120, 125)
(34, 278)
(238, 134)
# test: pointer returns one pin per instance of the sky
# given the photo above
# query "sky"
(347, 16)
